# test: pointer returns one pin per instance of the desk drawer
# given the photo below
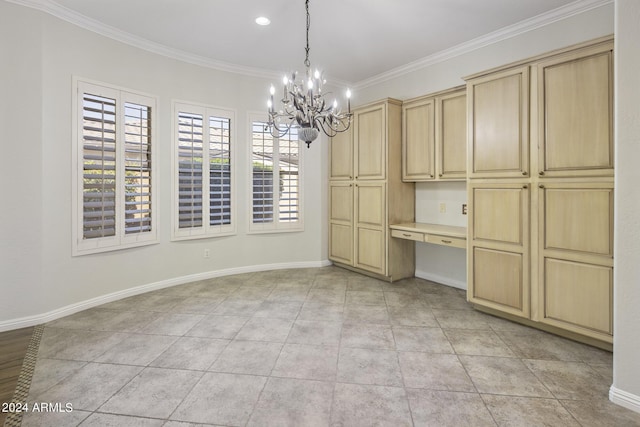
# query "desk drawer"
(401, 234)
(456, 242)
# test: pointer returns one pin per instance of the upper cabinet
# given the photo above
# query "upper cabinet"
(451, 135)
(370, 142)
(418, 140)
(434, 137)
(342, 156)
(498, 120)
(574, 100)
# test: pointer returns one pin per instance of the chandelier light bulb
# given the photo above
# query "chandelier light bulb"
(285, 80)
(316, 74)
(348, 93)
(310, 84)
(272, 90)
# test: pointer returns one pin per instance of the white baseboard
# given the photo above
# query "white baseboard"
(38, 319)
(625, 399)
(441, 279)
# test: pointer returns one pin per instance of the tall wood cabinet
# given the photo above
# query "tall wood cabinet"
(541, 191)
(366, 194)
(434, 132)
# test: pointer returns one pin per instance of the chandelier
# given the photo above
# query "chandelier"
(304, 105)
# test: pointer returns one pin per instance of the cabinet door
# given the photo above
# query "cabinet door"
(341, 222)
(451, 135)
(499, 247)
(370, 142)
(575, 113)
(418, 141)
(576, 257)
(371, 227)
(341, 157)
(498, 122)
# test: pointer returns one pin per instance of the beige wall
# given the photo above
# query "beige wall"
(626, 343)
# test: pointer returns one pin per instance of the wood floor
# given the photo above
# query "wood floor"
(13, 347)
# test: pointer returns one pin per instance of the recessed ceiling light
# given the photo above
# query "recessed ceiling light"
(262, 20)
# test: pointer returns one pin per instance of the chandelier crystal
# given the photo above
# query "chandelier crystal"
(304, 105)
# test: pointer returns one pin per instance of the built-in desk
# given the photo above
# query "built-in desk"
(446, 235)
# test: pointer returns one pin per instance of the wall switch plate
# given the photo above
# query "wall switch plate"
(206, 253)
(443, 207)
(464, 209)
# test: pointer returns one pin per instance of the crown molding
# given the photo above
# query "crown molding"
(82, 21)
(563, 12)
(558, 14)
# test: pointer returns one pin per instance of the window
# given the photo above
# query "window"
(114, 194)
(203, 172)
(276, 181)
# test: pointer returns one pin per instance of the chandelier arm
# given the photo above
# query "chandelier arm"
(276, 132)
(327, 129)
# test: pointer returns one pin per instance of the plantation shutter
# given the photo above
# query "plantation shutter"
(203, 169)
(289, 195)
(190, 171)
(137, 163)
(113, 169)
(219, 171)
(98, 166)
(263, 176)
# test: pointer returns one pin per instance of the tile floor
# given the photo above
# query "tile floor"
(314, 347)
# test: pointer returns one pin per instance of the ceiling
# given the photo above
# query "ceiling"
(353, 40)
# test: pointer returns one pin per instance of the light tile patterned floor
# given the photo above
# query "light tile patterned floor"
(314, 347)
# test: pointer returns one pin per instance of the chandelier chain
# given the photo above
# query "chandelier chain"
(306, 61)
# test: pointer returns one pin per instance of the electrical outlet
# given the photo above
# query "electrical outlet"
(443, 207)
(207, 253)
(464, 209)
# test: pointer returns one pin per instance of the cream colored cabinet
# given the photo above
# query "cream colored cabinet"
(364, 203)
(434, 136)
(370, 226)
(498, 123)
(451, 135)
(341, 222)
(418, 140)
(498, 252)
(370, 142)
(549, 262)
(575, 113)
(342, 156)
(575, 258)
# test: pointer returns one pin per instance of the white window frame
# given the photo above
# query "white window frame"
(276, 226)
(206, 230)
(121, 240)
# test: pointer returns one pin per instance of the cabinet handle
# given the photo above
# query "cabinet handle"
(406, 235)
(540, 186)
(541, 173)
(525, 186)
(524, 172)
(445, 241)
(440, 175)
